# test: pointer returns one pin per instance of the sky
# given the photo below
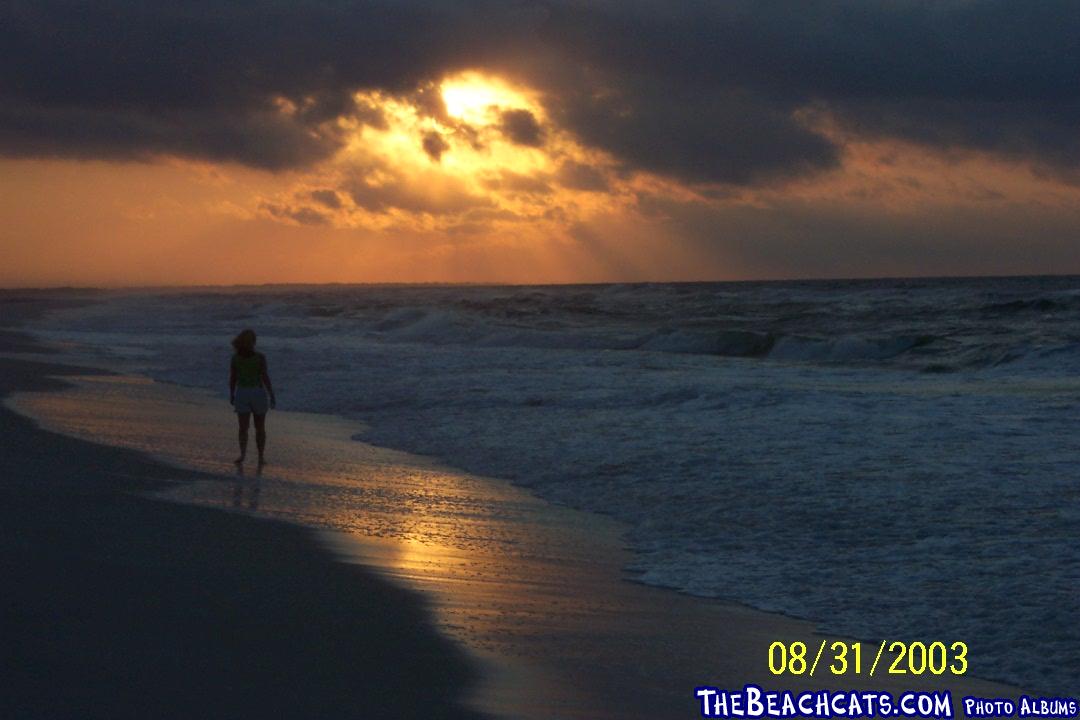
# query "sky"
(210, 142)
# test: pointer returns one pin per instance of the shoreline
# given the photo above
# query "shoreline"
(592, 644)
(124, 606)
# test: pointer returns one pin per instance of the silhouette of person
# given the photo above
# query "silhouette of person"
(249, 383)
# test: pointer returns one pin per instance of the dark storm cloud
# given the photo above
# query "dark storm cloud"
(696, 133)
(715, 91)
(131, 79)
(522, 128)
(434, 145)
(329, 198)
(303, 214)
(577, 176)
(255, 136)
(712, 90)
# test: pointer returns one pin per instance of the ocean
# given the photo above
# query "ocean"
(890, 458)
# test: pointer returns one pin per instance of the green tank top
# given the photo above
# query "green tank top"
(248, 370)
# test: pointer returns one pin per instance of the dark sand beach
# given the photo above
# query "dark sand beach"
(149, 607)
(117, 605)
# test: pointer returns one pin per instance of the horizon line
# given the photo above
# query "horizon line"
(467, 283)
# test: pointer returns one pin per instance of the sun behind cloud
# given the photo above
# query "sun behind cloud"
(477, 99)
(471, 154)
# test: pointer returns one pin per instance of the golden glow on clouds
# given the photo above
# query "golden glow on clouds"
(476, 99)
(443, 160)
(433, 186)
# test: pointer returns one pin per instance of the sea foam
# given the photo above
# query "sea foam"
(891, 459)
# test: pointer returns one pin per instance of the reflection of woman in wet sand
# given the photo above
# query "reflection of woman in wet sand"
(249, 383)
(252, 487)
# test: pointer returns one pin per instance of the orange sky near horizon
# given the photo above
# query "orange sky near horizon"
(478, 184)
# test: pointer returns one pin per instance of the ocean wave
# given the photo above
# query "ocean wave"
(730, 343)
(827, 450)
(1052, 302)
(849, 348)
(923, 326)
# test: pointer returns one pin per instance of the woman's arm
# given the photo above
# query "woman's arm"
(266, 381)
(232, 381)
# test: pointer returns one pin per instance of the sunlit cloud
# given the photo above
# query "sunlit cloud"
(566, 142)
(473, 154)
(478, 99)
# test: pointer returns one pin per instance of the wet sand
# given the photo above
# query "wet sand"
(117, 605)
(535, 592)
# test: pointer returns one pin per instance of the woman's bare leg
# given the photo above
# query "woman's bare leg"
(244, 419)
(260, 436)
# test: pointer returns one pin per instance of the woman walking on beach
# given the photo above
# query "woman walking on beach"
(249, 383)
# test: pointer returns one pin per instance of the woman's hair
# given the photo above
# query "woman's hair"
(244, 342)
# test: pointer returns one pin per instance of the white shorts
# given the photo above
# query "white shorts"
(251, 400)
